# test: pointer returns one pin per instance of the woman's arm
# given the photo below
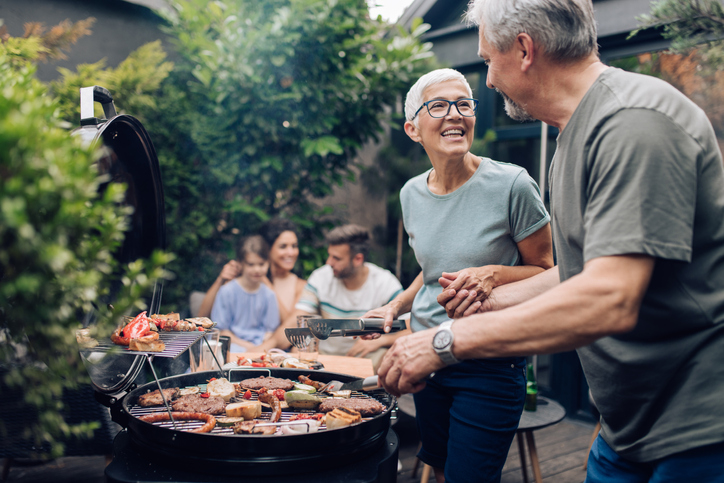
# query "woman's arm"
(284, 311)
(399, 305)
(231, 270)
(468, 288)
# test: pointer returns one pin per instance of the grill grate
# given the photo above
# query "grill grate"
(176, 344)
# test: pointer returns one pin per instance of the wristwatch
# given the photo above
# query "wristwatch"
(443, 341)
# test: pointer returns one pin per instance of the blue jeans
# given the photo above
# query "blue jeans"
(699, 465)
(467, 416)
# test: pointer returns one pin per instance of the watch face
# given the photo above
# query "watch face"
(441, 340)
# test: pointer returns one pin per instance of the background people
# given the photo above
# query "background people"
(637, 202)
(474, 223)
(281, 235)
(345, 287)
(246, 309)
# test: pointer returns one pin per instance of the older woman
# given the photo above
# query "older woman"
(477, 223)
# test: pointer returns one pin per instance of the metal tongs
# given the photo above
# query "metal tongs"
(325, 328)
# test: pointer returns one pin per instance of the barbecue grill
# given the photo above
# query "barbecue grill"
(158, 452)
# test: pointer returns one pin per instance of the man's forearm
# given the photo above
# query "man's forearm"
(603, 300)
(514, 293)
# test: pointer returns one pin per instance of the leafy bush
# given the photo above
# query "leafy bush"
(57, 237)
(266, 110)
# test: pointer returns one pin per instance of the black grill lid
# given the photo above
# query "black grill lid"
(128, 157)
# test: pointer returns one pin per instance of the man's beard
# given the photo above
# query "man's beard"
(514, 110)
(346, 272)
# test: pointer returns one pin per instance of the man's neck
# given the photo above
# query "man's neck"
(359, 278)
(562, 87)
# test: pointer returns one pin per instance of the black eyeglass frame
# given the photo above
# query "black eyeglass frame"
(449, 106)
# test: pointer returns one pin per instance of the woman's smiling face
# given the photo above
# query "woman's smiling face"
(447, 136)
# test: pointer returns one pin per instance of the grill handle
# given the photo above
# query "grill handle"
(89, 95)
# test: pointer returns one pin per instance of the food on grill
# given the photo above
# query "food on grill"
(209, 420)
(304, 387)
(365, 406)
(245, 409)
(168, 325)
(341, 417)
(204, 322)
(270, 383)
(84, 339)
(196, 403)
(171, 316)
(147, 344)
(153, 398)
(273, 401)
(306, 380)
(221, 388)
(345, 394)
(250, 427)
(301, 416)
(189, 390)
(301, 400)
(140, 326)
(226, 422)
(308, 426)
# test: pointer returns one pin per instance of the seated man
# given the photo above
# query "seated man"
(346, 287)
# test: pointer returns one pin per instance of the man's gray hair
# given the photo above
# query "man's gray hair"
(565, 29)
(415, 95)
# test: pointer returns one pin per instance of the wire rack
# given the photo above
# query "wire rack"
(176, 344)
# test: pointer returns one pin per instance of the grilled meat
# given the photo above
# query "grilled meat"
(153, 398)
(249, 427)
(270, 383)
(195, 403)
(365, 406)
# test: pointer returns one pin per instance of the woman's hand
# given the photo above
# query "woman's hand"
(231, 270)
(465, 291)
(388, 312)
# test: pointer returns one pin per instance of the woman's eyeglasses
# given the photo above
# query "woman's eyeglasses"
(438, 108)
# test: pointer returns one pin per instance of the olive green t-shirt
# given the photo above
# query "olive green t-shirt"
(638, 170)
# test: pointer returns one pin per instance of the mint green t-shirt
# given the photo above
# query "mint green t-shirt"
(478, 224)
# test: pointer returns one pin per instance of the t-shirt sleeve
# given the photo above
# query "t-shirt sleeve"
(641, 188)
(309, 300)
(527, 211)
(220, 313)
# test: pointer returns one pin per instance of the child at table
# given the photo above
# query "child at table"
(245, 309)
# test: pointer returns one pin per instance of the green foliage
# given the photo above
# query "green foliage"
(134, 83)
(57, 236)
(266, 110)
(686, 22)
(690, 24)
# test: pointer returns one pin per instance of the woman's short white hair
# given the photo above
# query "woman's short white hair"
(565, 29)
(415, 98)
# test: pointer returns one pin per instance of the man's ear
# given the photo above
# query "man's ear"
(358, 260)
(412, 131)
(526, 51)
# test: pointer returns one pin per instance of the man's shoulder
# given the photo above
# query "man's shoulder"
(378, 274)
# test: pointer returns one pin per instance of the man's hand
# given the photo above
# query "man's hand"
(363, 347)
(408, 362)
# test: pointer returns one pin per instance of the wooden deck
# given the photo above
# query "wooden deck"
(561, 452)
(562, 449)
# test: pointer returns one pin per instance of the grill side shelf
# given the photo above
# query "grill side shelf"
(176, 344)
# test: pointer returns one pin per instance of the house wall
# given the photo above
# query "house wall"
(120, 28)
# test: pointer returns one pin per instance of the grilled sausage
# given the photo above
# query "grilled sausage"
(210, 421)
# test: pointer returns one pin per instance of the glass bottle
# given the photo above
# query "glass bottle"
(531, 390)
